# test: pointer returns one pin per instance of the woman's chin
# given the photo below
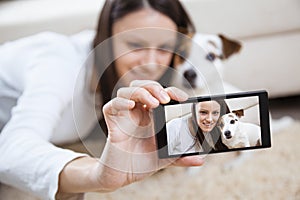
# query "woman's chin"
(207, 128)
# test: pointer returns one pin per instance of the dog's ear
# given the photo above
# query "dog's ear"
(230, 46)
(239, 113)
(220, 122)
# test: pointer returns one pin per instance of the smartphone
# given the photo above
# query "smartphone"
(213, 124)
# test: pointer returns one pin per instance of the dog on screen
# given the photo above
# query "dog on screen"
(237, 134)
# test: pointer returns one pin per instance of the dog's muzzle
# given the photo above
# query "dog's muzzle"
(227, 134)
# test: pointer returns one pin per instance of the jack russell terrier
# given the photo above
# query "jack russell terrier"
(201, 71)
(237, 134)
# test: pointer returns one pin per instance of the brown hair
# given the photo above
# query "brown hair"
(215, 132)
(112, 11)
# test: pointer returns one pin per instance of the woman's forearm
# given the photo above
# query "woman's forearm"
(87, 174)
(79, 176)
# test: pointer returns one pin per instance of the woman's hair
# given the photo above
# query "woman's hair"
(112, 11)
(215, 132)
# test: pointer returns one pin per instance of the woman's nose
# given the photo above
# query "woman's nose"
(209, 117)
(151, 56)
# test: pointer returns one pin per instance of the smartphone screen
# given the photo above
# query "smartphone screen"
(213, 124)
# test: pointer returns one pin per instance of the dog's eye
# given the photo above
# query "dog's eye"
(232, 121)
(211, 57)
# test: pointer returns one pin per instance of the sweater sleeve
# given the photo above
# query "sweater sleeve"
(27, 160)
(173, 131)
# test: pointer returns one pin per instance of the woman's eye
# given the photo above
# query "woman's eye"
(216, 113)
(203, 112)
(163, 50)
(166, 48)
(211, 57)
(134, 45)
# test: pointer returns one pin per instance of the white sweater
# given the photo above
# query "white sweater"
(39, 77)
(180, 139)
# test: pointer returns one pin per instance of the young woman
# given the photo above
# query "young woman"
(197, 132)
(206, 114)
(44, 101)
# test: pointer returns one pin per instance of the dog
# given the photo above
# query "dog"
(200, 71)
(237, 134)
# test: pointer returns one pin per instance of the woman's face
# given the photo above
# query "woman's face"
(208, 113)
(149, 61)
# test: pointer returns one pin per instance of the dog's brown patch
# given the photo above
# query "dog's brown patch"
(230, 46)
(239, 113)
(221, 124)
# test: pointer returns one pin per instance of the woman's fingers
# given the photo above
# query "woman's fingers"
(189, 161)
(176, 94)
(138, 94)
(154, 88)
(151, 89)
(117, 104)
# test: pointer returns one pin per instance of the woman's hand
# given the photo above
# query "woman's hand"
(130, 153)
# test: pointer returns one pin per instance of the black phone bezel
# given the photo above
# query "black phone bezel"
(160, 122)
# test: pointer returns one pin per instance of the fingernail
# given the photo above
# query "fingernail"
(164, 95)
(131, 103)
(182, 94)
(154, 101)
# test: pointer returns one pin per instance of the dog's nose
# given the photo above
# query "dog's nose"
(227, 133)
(190, 75)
